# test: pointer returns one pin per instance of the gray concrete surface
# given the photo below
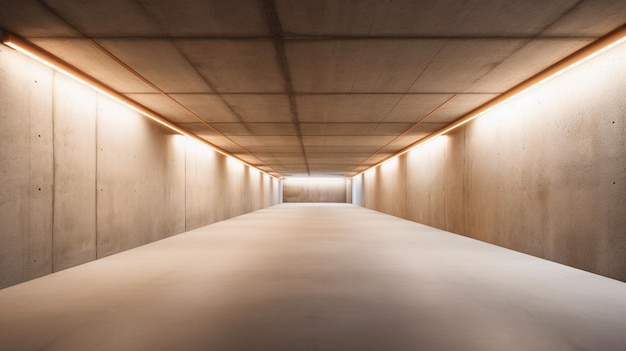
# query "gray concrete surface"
(543, 174)
(316, 277)
(75, 171)
(26, 175)
(140, 180)
(83, 177)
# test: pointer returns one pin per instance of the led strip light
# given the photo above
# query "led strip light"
(58, 65)
(596, 48)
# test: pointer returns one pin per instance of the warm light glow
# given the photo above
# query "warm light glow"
(24, 48)
(315, 179)
(391, 163)
(601, 46)
(90, 85)
(534, 85)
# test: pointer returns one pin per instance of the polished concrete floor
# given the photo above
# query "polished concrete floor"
(316, 277)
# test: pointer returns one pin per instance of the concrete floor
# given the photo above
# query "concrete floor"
(316, 277)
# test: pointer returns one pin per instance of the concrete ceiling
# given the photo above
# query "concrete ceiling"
(301, 87)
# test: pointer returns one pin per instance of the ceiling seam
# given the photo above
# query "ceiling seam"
(275, 26)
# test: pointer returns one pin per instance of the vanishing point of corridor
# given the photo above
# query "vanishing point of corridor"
(316, 277)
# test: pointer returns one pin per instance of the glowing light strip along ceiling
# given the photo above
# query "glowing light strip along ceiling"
(58, 65)
(596, 48)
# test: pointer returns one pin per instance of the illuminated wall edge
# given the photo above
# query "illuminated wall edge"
(596, 48)
(59, 65)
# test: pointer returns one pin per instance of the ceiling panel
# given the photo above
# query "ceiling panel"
(426, 18)
(460, 63)
(334, 159)
(271, 149)
(209, 107)
(111, 18)
(222, 143)
(199, 129)
(353, 128)
(346, 107)
(345, 140)
(531, 59)
(242, 129)
(336, 154)
(278, 159)
(32, 19)
(427, 127)
(260, 107)
(164, 107)
(266, 140)
(414, 107)
(404, 141)
(589, 19)
(459, 106)
(236, 66)
(160, 62)
(296, 169)
(331, 168)
(377, 158)
(85, 56)
(207, 18)
(251, 159)
(340, 149)
(363, 66)
(290, 159)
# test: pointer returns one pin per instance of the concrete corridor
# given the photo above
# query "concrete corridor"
(316, 277)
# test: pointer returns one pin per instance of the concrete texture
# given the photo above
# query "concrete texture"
(83, 177)
(315, 190)
(316, 276)
(75, 172)
(26, 176)
(249, 63)
(141, 180)
(543, 173)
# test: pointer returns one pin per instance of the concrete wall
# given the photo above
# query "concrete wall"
(543, 174)
(84, 177)
(315, 190)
